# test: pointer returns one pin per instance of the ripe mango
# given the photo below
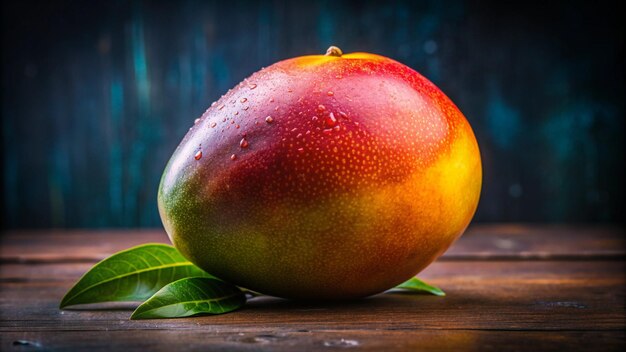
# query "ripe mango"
(323, 177)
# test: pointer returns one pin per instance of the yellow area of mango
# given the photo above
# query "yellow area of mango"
(316, 60)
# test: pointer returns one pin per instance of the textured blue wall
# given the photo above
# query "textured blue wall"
(96, 95)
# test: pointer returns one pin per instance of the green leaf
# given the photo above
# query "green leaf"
(191, 296)
(134, 274)
(418, 285)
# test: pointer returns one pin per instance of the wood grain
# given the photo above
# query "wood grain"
(488, 295)
(506, 241)
(313, 340)
(564, 288)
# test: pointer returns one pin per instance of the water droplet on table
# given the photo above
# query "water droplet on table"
(341, 343)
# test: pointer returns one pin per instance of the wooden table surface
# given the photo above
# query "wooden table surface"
(509, 287)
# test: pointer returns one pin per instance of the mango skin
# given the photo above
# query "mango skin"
(314, 206)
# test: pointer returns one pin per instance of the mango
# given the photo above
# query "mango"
(323, 177)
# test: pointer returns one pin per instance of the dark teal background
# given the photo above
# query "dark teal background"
(97, 94)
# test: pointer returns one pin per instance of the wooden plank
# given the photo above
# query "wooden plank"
(296, 339)
(550, 298)
(491, 295)
(45, 246)
(441, 270)
(539, 242)
(513, 242)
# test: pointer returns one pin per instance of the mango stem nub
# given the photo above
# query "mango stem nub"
(334, 51)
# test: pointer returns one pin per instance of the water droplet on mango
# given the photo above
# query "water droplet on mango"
(330, 120)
